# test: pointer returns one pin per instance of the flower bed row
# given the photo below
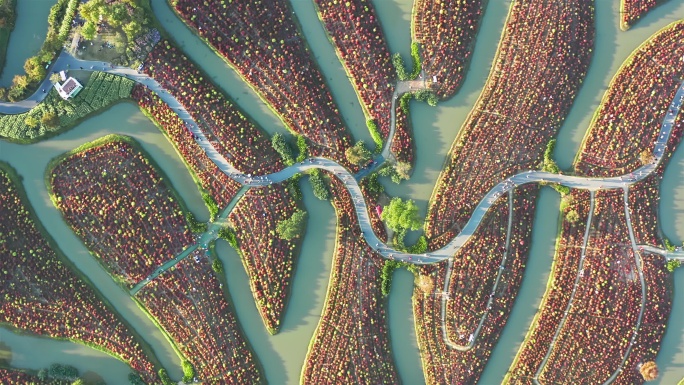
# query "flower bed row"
(372, 199)
(188, 302)
(54, 113)
(268, 259)
(446, 32)
(541, 61)
(210, 178)
(233, 135)
(632, 10)
(261, 40)
(473, 274)
(557, 296)
(120, 206)
(351, 343)
(402, 142)
(355, 31)
(441, 363)
(603, 314)
(634, 106)
(42, 294)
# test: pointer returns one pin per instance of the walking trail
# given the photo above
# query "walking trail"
(66, 62)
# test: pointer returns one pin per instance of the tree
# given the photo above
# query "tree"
(403, 170)
(646, 157)
(89, 30)
(54, 78)
(132, 29)
(50, 120)
(320, 190)
(401, 215)
(34, 68)
(572, 216)
(649, 371)
(31, 121)
(280, 145)
(79, 381)
(358, 154)
(188, 371)
(292, 227)
(673, 264)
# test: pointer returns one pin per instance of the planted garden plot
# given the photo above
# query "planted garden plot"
(261, 40)
(233, 135)
(451, 361)
(268, 259)
(42, 294)
(632, 110)
(565, 268)
(632, 10)
(603, 314)
(189, 304)
(542, 59)
(120, 206)
(351, 342)
(208, 176)
(402, 143)
(446, 32)
(54, 113)
(355, 31)
(9, 376)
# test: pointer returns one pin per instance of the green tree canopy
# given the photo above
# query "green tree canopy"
(292, 227)
(31, 121)
(358, 154)
(401, 215)
(50, 120)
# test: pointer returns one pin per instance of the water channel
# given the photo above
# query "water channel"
(435, 129)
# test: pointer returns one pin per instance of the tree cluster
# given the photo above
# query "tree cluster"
(358, 154)
(292, 227)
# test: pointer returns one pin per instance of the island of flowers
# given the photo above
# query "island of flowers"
(268, 259)
(208, 176)
(193, 308)
(355, 31)
(42, 294)
(120, 206)
(607, 302)
(351, 342)
(637, 101)
(632, 10)
(9, 376)
(233, 135)
(520, 109)
(446, 32)
(451, 303)
(262, 41)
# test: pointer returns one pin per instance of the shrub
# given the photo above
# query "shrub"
(320, 190)
(164, 377)
(375, 134)
(292, 227)
(303, 148)
(217, 266)
(228, 235)
(672, 264)
(211, 205)
(188, 369)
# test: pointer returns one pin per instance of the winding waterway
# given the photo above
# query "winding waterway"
(435, 129)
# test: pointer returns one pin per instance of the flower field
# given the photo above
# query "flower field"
(564, 272)
(443, 363)
(261, 40)
(541, 61)
(101, 91)
(446, 32)
(402, 142)
(188, 302)
(636, 101)
(632, 10)
(233, 135)
(120, 206)
(268, 259)
(355, 31)
(604, 311)
(43, 295)
(372, 199)
(474, 274)
(351, 343)
(210, 178)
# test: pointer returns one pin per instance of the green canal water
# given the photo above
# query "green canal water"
(282, 355)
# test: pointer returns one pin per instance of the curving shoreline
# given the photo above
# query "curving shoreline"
(65, 61)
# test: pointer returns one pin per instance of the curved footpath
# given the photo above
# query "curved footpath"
(66, 61)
